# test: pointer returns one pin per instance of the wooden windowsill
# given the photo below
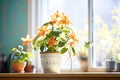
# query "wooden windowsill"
(73, 74)
(63, 76)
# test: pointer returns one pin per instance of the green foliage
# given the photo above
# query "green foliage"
(61, 44)
(87, 45)
(20, 55)
(118, 60)
(55, 35)
(63, 50)
(73, 50)
(108, 35)
(51, 49)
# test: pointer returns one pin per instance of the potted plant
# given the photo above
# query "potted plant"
(110, 63)
(29, 67)
(20, 56)
(84, 56)
(115, 40)
(118, 64)
(54, 38)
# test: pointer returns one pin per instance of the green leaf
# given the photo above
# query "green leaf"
(35, 39)
(66, 30)
(51, 49)
(87, 45)
(13, 49)
(30, 54)
(26, 55)
(35, 48)
(63, 50)
(48, 36)
(18, 53)
(15, 60)
(46, 23)
(56, 33)
(61, 44)
(21, 59)
(42, 48)
(40, 42)
(73, 50)
(20, 47)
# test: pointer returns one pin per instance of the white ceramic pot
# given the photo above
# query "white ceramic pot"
(51, 62)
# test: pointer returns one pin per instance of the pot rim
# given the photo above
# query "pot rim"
(49, 52)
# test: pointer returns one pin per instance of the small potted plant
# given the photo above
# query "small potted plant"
(54, 38)
(20, 56)
(118, 64)
(84, 56)
(110, 63)
(29, 67)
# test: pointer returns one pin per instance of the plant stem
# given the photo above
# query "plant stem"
(70, 60)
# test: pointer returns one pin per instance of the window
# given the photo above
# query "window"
(106, 30)
(87, 16)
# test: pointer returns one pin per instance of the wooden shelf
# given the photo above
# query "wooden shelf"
(61, 76)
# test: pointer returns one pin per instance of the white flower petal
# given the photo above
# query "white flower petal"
(28, 36)
(23, 39)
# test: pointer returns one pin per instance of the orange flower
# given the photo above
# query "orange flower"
(53, 20)
(51, 42)
(55, 17)
(64, 20)
(57, 14)
(71, 44)
(74, 39)
(26, 40)
(42, 31)
(72, 36)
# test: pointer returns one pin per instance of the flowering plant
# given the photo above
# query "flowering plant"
(55, 35)
(84, 50)
(21, 55)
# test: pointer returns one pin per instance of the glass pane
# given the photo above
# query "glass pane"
(77, 10)
(106, 30)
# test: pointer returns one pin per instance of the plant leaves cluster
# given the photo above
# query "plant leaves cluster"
(20, 55)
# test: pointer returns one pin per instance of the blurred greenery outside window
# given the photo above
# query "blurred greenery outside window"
(106, 33)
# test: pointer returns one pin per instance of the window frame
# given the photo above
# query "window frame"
(90, 33)
(91, 68)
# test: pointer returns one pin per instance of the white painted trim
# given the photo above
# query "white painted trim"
(32, 26)
(90, 31)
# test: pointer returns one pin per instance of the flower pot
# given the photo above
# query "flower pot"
(29, 68)
(84, 64)
(51, 62)
(110, 66)
(18, 67)
(118, 67)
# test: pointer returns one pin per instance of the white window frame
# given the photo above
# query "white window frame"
(90, 38)
(35, 18)
(90, 31)
(32, 23)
